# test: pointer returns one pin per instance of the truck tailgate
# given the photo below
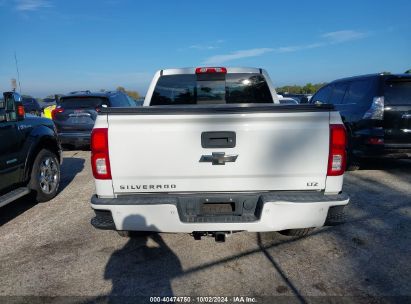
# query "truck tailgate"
(164, 153)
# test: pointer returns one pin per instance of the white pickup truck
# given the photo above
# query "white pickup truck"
(212, 151)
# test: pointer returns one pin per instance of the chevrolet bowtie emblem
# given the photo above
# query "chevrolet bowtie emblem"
(218, 158)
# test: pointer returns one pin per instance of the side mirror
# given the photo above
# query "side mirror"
(317, 102)
(13, 106)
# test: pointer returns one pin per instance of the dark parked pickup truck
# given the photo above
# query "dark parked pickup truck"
(30, 153)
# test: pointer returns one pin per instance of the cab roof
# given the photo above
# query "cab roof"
(192, 70)
(88, 93)
(375, 75)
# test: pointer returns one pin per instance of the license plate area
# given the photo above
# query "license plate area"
(80, 117)
(220, 208)
(217, 208)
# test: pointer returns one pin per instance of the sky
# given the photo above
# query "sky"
(63, 46)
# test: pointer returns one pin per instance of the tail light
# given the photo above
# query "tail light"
(375, 141)
(100, 161)
(376, 111)
(55, 111)
(338, 155)
(20, 111)
(211, 70)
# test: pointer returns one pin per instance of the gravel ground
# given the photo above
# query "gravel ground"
(51, 249)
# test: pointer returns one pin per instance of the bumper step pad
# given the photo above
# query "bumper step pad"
(103, 220)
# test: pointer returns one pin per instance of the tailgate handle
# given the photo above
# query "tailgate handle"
(218, 139)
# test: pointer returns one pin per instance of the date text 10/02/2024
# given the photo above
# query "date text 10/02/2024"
(236, 299)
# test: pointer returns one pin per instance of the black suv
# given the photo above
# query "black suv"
(376, 110)
(76, 113)
(30, 153)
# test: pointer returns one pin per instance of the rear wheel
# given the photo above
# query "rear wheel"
(296, 232)
(45, 176)
(354, 164)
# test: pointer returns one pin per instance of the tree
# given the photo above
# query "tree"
(309, 88)
(408, 72)
(121, 89)
(132, 94)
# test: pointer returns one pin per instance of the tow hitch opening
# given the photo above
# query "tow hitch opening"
(219, 236)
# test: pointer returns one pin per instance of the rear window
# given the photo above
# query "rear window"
(188, 89)
(338, 93)
(49, 100)
(28, 101)
(359, 92)
(322, 95)
(398, 92)
(120, 100)
(82, 102)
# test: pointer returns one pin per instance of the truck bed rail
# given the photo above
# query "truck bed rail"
(218, 109)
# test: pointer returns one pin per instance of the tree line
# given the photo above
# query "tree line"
(309, 88)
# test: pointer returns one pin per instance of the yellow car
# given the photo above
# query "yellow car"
(47, 111)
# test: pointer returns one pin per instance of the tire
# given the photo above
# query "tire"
(45, 176)
(354, 164)
(336, 216)
(296, 232)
